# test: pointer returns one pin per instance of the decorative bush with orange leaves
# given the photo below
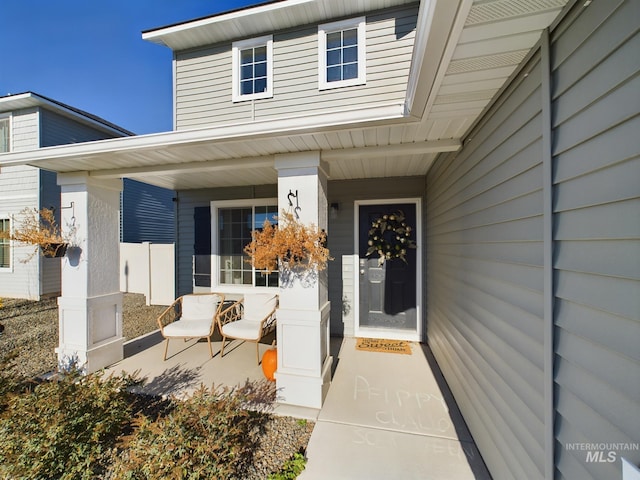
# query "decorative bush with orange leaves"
(289, 244)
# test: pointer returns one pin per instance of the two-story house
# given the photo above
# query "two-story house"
(503, 131)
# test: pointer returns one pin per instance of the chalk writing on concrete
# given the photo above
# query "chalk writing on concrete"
(419, 411)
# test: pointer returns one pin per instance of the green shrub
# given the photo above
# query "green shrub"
(291, 468)
(65, 428)
(206, 436)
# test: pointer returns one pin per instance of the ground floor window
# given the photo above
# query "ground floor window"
(5, 244)
(232, 232)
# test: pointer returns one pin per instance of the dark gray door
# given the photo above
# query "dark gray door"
(387, 290)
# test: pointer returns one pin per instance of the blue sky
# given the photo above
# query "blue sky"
(90, 54)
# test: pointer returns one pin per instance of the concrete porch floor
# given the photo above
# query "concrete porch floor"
(386, 415)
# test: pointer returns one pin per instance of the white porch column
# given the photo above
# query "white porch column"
(90, 308)
(304, 363)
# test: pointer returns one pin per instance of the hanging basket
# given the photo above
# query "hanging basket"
(54, 250)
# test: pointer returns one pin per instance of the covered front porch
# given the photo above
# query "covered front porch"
(373, 424)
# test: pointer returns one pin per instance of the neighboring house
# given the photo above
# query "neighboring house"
(505, 131)
(29, 121)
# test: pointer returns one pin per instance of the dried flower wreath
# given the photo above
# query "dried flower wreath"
(390, 237)
(289, 244)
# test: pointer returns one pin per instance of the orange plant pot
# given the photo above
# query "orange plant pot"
(270, 363)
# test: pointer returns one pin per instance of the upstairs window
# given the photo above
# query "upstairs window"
(252, 69)
(341, 53)
(4, 134)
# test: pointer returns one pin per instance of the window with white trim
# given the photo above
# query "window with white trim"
(232, 232)
(5, 134)
(342, 53)
(252, 69)
(5, 244)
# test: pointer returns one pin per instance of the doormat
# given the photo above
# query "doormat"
(386, 346)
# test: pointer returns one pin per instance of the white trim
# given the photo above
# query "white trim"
(290, 126)
(236, 48)
(359, 23)
(413, 336)
(216, 286)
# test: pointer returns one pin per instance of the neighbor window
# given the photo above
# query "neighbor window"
(4, 134)
(252, 69)
(341, 53)
(234, 226)
(5, 244)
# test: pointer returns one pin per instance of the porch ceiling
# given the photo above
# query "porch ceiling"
(479, 45)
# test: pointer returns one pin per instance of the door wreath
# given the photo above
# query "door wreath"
(390, 237)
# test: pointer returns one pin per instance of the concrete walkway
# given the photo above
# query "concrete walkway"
(390, 416)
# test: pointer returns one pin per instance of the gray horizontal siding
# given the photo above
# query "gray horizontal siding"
(485, 255)
(597, 240)
(203, 77)
(485, 280)
(24, 130)
(57, 129)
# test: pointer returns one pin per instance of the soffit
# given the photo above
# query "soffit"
(267, 18)
(487, 41)
(492, 37)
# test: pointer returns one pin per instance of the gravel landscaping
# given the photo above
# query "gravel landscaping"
(31, 333)
(31, 330)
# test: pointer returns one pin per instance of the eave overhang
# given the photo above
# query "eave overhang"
(257, 20)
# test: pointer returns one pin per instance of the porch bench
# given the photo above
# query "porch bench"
(191, 316)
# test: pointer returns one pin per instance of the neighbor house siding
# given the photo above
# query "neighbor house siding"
(57, 129)
(187, 201)
(203, 77)
(19, 190)
(484, 283)
(24, 130)
(341, 241)
(596, 105)
(486, 251)
(147, 213)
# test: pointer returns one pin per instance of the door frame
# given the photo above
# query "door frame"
(414, 336)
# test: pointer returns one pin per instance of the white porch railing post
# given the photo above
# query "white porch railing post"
(304, 364)
(90, 308)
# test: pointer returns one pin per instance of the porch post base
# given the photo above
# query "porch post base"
(90, 331)
(94, 359)
(302, 390)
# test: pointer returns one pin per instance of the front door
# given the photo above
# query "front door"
(388, 306)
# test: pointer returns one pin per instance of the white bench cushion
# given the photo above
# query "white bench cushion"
(188, 328)
(246, 329)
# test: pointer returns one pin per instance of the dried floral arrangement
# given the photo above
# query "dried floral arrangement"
(289, 244)
(39, 228)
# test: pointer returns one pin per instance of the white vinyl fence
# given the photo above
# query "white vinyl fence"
(148, 268)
